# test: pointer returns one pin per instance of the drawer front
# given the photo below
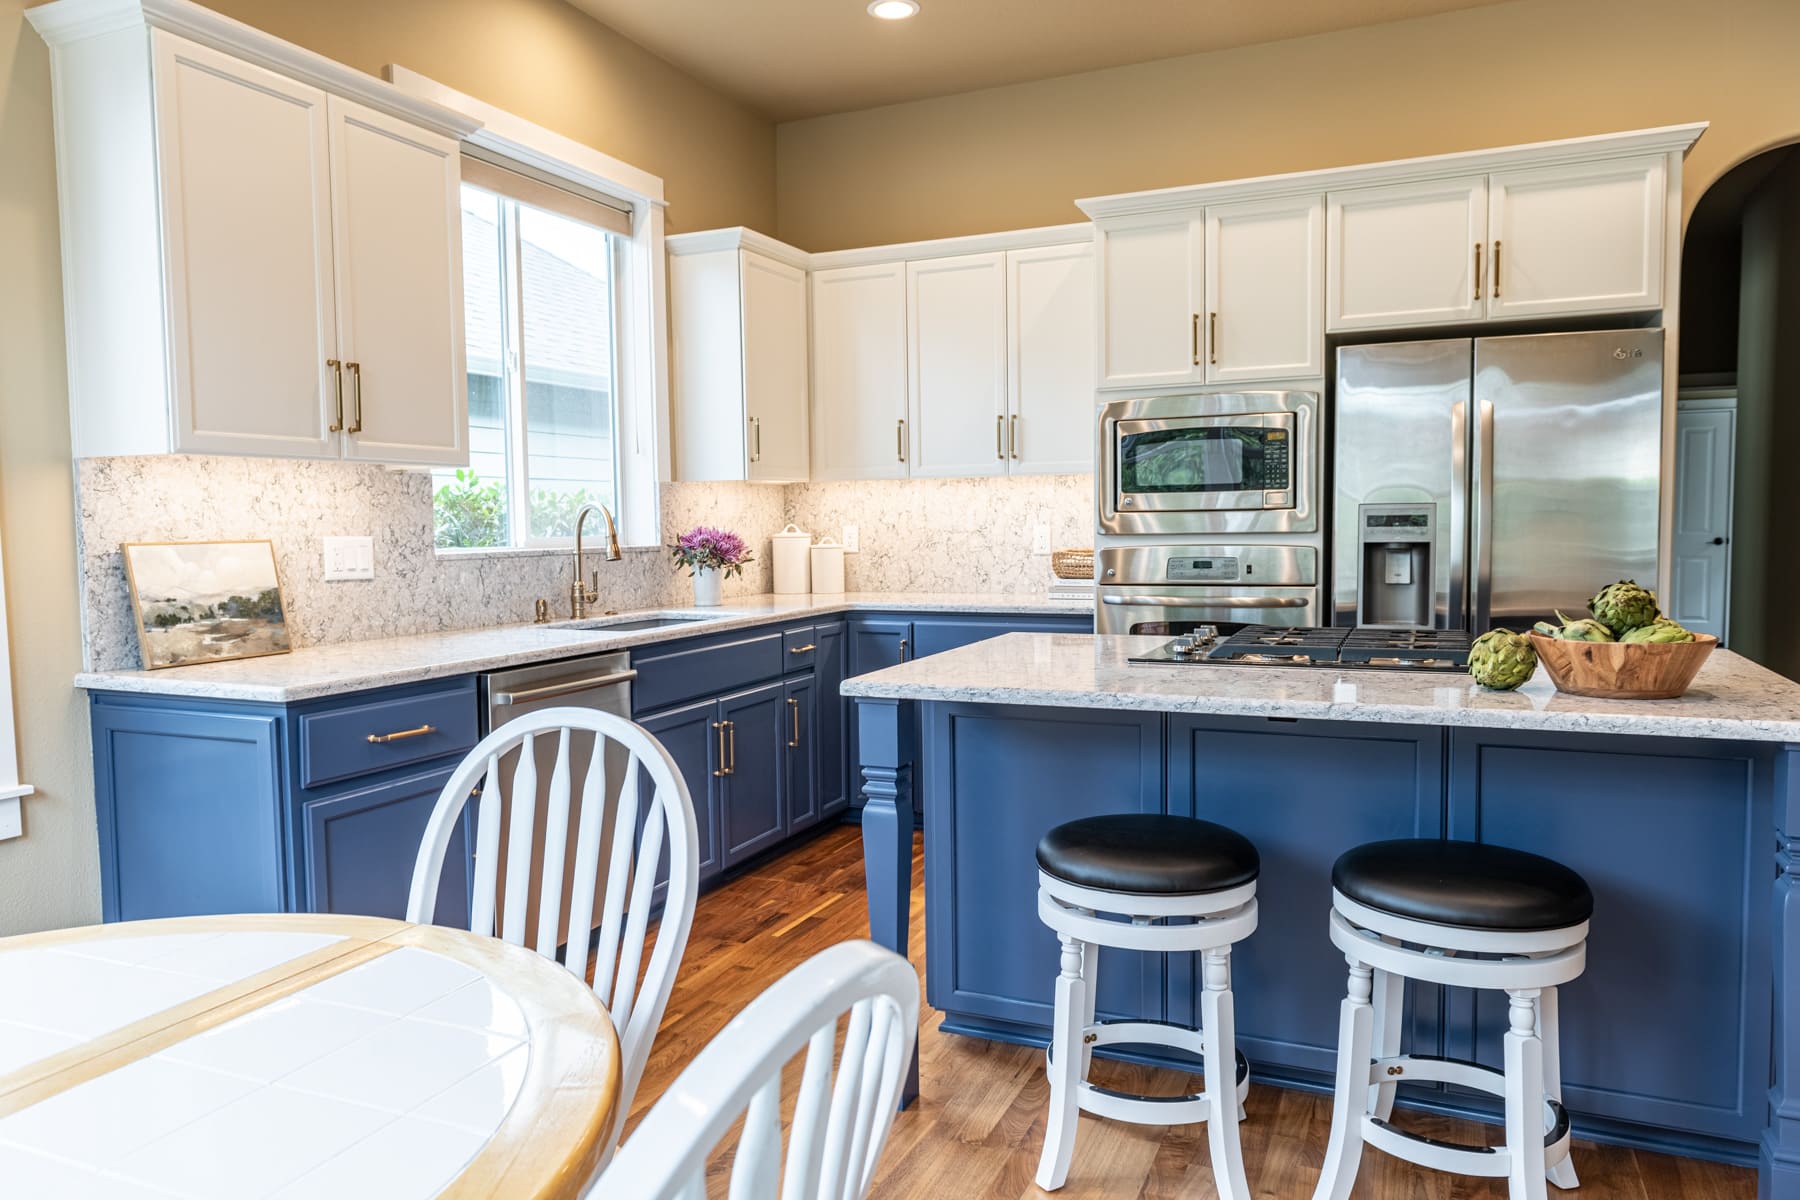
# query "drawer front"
(799, 648)
(335, 744)
(683, 672)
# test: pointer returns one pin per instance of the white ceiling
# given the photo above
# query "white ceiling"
(800, 58)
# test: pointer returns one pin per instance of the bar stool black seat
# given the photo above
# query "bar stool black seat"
(1149, 854)
(1463, 884)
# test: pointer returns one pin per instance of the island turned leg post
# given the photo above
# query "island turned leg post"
(887, 735)
(1778, 1171)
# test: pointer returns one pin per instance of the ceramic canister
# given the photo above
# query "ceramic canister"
(792, 577)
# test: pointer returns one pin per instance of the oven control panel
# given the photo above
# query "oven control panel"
(1218, 569)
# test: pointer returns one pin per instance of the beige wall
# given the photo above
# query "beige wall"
(1493, 76)
(537, 58)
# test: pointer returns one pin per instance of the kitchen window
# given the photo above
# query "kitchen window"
(540, 331)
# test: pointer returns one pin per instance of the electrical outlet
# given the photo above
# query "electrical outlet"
(349, 558)
(852, 540)
(1040, 539)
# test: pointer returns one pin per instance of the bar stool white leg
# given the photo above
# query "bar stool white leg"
(1356, 1031)
(1066, 1038)
(1389, 998)
(1550, 1033)
(1525, 1098)
(1090, 979)
(1218, 1032)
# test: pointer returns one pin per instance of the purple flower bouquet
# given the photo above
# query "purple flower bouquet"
(705, 548)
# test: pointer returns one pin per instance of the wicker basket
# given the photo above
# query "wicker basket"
(1072, 564)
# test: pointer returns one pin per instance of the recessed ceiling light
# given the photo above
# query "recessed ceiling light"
(894, 10)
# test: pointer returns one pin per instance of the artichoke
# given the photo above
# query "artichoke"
(1660, 630)
(1624, 606)
(1501, 659)
(1585, 630)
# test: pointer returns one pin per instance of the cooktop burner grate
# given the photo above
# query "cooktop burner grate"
(1313, 646)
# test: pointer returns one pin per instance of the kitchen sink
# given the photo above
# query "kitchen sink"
(622, 624)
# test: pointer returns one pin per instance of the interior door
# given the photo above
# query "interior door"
(244, 166)
(1406, 254)
(775, 392)
(859, 372)
(397, 218)
(956, 364)
(1705, 440)
(1050, 367)
(1265, 290)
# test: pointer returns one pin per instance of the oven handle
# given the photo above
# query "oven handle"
(1214, 602)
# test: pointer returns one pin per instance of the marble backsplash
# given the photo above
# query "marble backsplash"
(965, 535)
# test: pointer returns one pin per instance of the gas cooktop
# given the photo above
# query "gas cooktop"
(1364, 647)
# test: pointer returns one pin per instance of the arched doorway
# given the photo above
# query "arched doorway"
(1737, 463)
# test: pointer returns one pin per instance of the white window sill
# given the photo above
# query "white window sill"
(468, 553)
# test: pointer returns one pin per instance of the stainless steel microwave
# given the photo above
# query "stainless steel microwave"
(1228, 462)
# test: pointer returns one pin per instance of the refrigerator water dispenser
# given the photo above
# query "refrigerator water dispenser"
(1395, 567)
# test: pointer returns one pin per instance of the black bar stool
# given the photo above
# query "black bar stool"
(1423, 909)
(1183, 886)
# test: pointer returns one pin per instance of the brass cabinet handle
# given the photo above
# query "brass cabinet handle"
(902, 649)
(809, 647)
(356, 396)
(1477, 270)
(900, 439)
(1196, 339)
(1212, 338)
(337, 368)
(722, 769)
(1496, 268)
(794, 710)
(382, 739)
(1014, 441)
(731, 735)
(1000, 438)
(756, 427)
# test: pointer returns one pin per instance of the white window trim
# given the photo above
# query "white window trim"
(642, 352)
(10, 787)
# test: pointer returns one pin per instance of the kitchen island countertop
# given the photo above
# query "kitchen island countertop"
(1732, 698)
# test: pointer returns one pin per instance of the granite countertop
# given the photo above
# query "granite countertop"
(1732, 698)
(315, 671)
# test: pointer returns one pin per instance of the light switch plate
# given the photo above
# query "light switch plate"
(349, 558)
(852, 540)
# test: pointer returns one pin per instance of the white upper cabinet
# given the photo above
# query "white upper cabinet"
(398, 232)
(956, 364)
(1575, 238)
(1406, 254)
(1265, 290)
(859, 372)
(1050, 364)
(1151, 297)
(248, 228)
(738, 369)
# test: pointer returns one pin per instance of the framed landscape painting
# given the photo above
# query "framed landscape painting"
(205, 601)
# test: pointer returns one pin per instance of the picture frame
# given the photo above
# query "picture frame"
(194, 602)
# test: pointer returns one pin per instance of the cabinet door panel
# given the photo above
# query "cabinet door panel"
(752, 811)
(859, 372)
(1405, 254)
(1574, 239)
(1050, 375)
(398, 224)
(244, 164)
(775, 375)
(1265, 288)
(360, 848)
(956, 364)
(1150, 299)
(687, 734)
(800, 783)
(829, 716)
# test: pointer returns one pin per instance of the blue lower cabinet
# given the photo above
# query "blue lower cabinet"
(1001, 778)
(689, 734)
(752, 806)
(800, 768)
(1303, 792)
(831, 712)
(352, 843)
(189, 802)
(1673, 838)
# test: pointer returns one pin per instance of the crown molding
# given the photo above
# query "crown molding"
(738, 238)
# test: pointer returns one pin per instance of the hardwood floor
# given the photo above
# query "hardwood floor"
(978, 1125)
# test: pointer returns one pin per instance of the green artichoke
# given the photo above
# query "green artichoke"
(1501, 659)
(1624, 606)
(1660, 630)
(1585, 630)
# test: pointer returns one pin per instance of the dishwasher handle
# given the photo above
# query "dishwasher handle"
(565, 688)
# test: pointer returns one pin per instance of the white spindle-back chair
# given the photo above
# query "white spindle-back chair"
(839, 1126)
(631, 866)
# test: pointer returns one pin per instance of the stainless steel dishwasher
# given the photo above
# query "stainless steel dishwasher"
(599, 681)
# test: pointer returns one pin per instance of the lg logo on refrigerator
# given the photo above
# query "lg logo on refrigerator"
(1622, 353)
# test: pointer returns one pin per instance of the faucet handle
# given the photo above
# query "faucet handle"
(541, 614)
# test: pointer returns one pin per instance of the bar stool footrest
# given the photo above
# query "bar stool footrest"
(1148, 1110)
(1424, 1151)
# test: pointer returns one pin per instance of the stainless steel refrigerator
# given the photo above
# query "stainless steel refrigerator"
(1481, 482)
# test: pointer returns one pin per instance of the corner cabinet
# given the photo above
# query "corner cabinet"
(261, 248)
(859, 372)
(739, 372)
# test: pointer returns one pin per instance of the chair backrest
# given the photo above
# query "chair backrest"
(632, 862)
(839, 1127)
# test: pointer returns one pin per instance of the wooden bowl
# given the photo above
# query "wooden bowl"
(1623, 670)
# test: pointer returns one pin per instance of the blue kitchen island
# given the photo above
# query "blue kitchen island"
(1683, 815)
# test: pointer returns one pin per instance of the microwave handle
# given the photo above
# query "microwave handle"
(1213, 602)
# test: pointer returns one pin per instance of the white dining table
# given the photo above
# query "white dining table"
(296, 1056)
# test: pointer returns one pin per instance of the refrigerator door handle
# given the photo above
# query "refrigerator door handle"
(1481, 527)
(1456, 534)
